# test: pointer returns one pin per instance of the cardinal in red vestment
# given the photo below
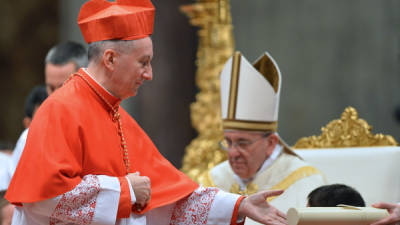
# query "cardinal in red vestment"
(87, 161)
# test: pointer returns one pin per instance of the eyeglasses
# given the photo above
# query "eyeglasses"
(241, 145)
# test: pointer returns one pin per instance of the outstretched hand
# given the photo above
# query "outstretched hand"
(257, 208)
(394, 213)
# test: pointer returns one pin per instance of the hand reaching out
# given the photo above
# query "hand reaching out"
(394, 213)
(257, 208)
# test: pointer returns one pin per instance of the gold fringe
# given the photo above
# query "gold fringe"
(252, 188)
(235, 73)
(295, 176)
(250, 125)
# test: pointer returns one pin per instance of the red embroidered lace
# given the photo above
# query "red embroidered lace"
(78, 205)
(194, 209)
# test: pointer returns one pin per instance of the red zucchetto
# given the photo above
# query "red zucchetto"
(121, 20)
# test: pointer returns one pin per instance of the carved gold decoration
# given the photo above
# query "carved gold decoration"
(348, 131)
(216, 45)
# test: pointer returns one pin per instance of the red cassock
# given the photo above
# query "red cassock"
(73, 134)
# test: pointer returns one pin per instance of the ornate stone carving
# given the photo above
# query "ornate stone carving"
(348, 131)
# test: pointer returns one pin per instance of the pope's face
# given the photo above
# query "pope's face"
(133, 68)
(248, 152)
(55, 75)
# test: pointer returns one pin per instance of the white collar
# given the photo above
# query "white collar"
(87, 72)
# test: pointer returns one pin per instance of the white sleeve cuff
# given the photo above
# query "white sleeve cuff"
(222, 208)
(133, 197)
(107, 200)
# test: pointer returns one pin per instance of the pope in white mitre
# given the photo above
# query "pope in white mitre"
(258, 159)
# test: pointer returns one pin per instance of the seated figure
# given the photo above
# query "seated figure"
(333, 195)
(258, 159)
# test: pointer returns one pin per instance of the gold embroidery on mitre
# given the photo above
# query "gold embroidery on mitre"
(235, 73)
(293, 177)
(250, 125)
(250, 189)
(267, 68)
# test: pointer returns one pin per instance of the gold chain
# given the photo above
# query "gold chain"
(116, 117)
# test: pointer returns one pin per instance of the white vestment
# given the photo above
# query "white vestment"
(5, 171)
(19, 148)
(287, 172)
(95, 201)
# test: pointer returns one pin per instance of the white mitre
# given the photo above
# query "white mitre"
(250, 94)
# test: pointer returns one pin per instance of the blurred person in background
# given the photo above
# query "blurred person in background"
(61, 61)
(5, 165)
(35, 98)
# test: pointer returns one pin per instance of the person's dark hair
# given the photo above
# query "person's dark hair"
(67, 52)
(34, 99)
(333, 195)
(6, 145)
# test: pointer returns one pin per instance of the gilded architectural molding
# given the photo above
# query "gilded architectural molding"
(216, 45)
(348, 131)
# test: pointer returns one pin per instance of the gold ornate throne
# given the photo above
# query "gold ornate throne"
(348, 131)
(347, 152)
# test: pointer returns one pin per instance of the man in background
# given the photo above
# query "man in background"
(32, 103)
(35, 98)
(61, 61)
